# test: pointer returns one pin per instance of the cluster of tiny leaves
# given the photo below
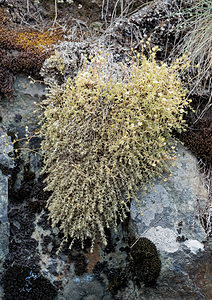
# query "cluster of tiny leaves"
(104, 138)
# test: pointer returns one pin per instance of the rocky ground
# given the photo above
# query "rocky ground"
(30, 266)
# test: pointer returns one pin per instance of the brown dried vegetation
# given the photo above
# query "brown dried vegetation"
(22, 50)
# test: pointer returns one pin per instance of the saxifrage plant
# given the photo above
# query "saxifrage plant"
(105, 137)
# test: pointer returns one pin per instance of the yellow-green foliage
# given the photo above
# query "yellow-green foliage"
(105, 137)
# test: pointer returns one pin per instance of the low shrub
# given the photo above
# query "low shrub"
(107, 135)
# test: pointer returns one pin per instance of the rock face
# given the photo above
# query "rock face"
(17, 182)
(6, 164)
(171, 204)
(84, 288)
(169, 218)
(4, 224)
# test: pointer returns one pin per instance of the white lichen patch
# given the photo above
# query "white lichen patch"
(163, 238)
(194, 246)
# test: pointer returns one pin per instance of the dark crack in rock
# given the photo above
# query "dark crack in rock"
(23, 283)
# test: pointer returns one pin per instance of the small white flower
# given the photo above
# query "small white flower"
(56, 124)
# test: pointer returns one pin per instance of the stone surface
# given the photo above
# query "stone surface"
(14, 116)
(171, 204)
(6, 165)
(4, 224)
(75, 271)
(6, 151)
(84, 288)
(21, 282)
(21, 110)
(167, 215)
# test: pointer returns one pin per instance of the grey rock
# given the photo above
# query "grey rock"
(6, 151)
(91, 297)
(4, 223)
(168, 216)
(172, 204)
(70, 56)
(15, 115)
(27, 93)
(84, 288)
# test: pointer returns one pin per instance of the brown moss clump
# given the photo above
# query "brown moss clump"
(30, 41)
(199, 139)
(145, 263)
(22, 50)
(6, 81)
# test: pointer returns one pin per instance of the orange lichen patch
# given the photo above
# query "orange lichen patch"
(29, 40)
(23, 50)
(21, 39)
(93, 258)
(17, 37)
